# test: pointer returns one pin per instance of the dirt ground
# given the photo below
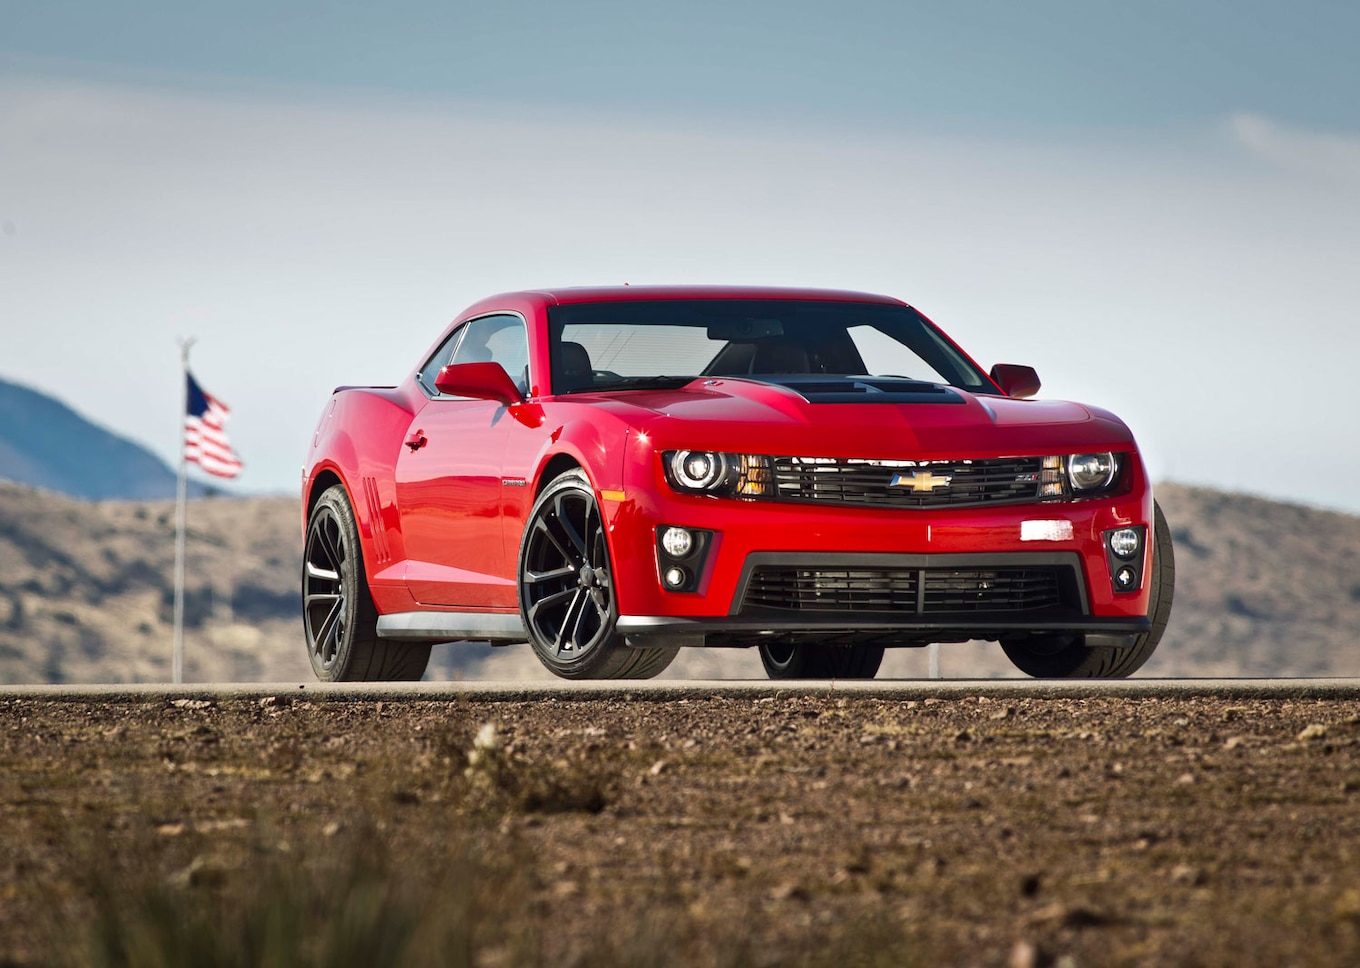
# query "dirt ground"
(711, 831)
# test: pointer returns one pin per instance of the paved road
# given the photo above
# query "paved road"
(665, 690)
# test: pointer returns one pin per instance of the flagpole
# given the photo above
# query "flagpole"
(181, 515)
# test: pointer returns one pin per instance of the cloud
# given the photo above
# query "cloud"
(1332, 156)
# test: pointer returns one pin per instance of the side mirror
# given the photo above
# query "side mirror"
(1016, 381)
(481, 381)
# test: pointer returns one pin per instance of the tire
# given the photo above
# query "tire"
(570, 611)
(1058, 657)
(821, 661)
(338, 617)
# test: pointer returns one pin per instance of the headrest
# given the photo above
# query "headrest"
(779, 358)
(573, 360)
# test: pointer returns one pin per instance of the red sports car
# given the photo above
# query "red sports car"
(611, 474)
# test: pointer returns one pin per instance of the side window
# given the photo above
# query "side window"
(441, 359)
(497, 339)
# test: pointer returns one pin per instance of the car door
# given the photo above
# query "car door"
(448, 476)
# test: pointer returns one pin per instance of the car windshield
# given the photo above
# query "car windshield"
(649, 344)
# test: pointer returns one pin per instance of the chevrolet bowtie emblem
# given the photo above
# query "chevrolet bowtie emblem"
(921, 482)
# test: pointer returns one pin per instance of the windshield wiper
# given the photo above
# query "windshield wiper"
(638, 383)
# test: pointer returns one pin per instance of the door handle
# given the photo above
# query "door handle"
(417, 440)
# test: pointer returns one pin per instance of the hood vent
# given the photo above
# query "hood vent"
(850, 389)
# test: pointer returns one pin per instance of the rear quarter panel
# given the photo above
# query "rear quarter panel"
(357, 441)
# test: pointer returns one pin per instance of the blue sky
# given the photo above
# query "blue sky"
(1157, 204)
(878, 63)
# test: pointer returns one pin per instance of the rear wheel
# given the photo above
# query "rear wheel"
(338, 616)
(1069, 657)
(812, 661)
(566, 589)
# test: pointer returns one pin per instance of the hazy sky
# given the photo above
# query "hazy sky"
(1156, 204)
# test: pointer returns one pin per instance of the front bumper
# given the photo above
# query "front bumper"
(746, 534)
(657, 631)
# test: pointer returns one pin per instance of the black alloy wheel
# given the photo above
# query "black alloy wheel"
(324, 606)
(338, 617)
(566, 589)
(786, 660)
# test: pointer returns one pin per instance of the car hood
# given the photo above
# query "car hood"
(790, 418)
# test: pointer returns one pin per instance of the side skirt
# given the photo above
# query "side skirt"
(499, 628)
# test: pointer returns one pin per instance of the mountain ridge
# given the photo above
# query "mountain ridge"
(46, 443)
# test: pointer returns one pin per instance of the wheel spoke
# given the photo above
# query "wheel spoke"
(592, 538)
(337, 542)
(320, 597)
(580, 614)
(328, 625)
(568, 621)
(547, 531)
(549, 600)
(534, 577)
(568, 528)
(327, 546)
(324, 574)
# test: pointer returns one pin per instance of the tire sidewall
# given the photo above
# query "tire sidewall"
(775, 668)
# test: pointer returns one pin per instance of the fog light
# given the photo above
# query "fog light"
(677, 541)
(1125, 578)
(674, 577)
(1125, 542)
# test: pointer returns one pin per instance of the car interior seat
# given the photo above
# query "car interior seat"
(574, 370)
(780, 357)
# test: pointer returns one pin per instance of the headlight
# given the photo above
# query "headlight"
(698, 470)
(1091, 472)
(714, 472)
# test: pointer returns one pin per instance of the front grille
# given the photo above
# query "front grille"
(871, 482)
(833, 589)
(917, 591)
(992, 590)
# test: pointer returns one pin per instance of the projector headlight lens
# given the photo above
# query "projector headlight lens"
(1090, 472)
(713, 472)
(1125, 542)
(698, 470)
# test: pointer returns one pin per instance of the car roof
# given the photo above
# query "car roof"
(627, 293)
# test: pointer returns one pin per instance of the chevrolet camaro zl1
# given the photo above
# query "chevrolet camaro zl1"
(612, 474)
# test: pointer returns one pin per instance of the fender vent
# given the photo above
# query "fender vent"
(377, 529)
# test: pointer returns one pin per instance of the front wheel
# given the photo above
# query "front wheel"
(338, 617)
(566, 589)
(812, 661)
(1069, 657)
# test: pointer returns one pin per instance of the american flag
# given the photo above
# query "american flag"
(205, 433)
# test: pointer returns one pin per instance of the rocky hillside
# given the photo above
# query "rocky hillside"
(85, 595)
(86, 590)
